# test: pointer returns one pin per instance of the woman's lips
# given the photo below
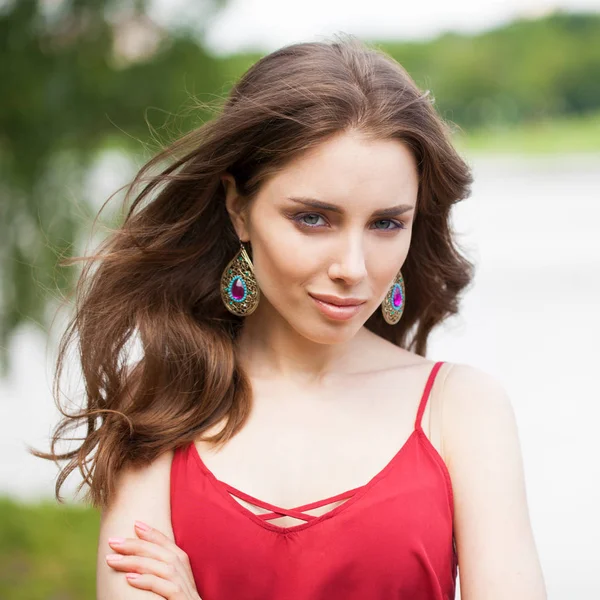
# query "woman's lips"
(338, 313)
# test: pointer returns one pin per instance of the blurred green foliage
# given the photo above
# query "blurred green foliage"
(65, 94)
(563, 134)
(524, 71)
(70, 90)
(47, 551)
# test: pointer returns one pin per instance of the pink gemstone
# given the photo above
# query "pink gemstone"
(237, 290)
(397, 297)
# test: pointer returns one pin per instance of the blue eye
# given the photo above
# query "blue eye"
(302, 223)
(398, 224)
(300, 218)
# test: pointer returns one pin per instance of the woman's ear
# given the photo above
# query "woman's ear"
(236, 206)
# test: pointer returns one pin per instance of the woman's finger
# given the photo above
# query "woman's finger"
(160, 565)
(140, 548)
(140, 564)
(155, 536)
(162, 587)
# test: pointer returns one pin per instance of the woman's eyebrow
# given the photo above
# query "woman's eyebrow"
(382, 212)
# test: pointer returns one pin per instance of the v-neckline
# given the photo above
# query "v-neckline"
(222, 488)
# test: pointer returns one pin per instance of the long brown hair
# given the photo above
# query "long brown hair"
(156, 278)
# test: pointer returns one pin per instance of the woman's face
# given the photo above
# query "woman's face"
(349, 248)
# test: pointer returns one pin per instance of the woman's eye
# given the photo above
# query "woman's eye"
(395, 224)
(312, 220)
(300, 219)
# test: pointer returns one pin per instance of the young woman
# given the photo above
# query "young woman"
(283, 435)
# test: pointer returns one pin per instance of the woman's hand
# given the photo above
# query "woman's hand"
(154, 563)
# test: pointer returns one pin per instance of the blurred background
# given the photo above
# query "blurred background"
(91, 89)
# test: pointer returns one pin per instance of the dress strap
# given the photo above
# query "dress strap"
(426, 391)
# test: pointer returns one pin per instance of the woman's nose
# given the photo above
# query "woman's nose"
(350, 264)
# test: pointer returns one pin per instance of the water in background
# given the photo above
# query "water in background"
(532, 319)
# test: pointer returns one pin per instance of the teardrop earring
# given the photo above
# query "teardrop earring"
(239, 289)
(392, 306)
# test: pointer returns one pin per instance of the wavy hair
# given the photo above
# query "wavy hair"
(157, 276)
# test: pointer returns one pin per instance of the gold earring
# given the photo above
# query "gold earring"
(239, 289)
(392, 306)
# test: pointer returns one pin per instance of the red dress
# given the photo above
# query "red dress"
(393, 537)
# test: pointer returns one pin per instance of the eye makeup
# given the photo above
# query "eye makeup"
(391, 211)
(298, 219)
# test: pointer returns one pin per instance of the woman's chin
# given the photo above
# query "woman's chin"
(328, 332)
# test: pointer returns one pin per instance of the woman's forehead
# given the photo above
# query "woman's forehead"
(384, 172)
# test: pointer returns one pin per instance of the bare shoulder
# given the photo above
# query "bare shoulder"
(476, 409)
(496, 548)
(141, 494)
(468, 381)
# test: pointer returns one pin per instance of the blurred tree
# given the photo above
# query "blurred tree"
(75, 72)
(527, 70)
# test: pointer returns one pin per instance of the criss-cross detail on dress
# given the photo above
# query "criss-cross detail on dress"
(297, 512)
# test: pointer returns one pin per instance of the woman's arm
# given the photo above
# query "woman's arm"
(141, 495)
(497, 555)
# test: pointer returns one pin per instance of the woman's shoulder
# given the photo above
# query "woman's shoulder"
(491, 517)
(468, 388)
(141, 493)
(477, 414)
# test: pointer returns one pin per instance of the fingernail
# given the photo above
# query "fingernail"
(113, 557)
(132, 575)
(116, 541)
(142, 526)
